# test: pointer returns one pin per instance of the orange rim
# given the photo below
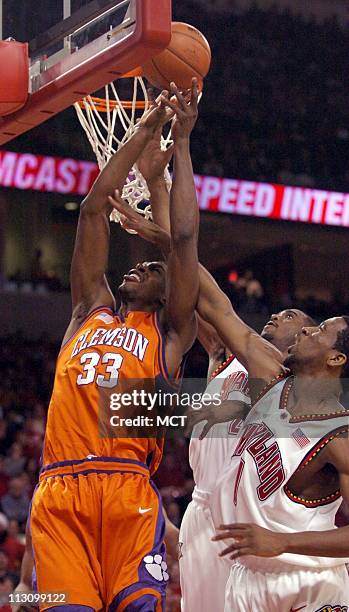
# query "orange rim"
(101, 105)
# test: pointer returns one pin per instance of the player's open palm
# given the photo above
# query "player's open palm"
(185, 108)
(250, 539)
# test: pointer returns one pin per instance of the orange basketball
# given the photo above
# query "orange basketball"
(188, 55)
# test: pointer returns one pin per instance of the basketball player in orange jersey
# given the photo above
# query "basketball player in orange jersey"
(96, 520)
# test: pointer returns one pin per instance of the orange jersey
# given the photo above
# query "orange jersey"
(105, 353)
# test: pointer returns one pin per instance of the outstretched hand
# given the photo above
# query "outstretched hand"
(185, 109)
(132, 220)
(158, 114)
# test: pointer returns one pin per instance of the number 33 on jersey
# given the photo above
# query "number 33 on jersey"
(104, 353)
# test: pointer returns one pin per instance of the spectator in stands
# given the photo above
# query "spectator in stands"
(15, 503)
(15, 461)
(3, 478)
(8, 579)
(9, 544)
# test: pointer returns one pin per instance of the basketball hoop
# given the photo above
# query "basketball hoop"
(109, 123)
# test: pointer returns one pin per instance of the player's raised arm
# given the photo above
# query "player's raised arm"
(89, 286)
(261, 359)
(183, 278)
(152, 164)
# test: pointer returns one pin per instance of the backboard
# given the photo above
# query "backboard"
(93, 44)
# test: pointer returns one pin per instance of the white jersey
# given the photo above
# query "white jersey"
(207, 456)
(272, 446)
(198, 553)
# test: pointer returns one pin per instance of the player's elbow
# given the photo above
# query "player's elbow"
(92, 206)
(183, 236)
(86, 208)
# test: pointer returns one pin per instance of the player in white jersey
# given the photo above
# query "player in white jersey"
(290, 470)
(198, 553)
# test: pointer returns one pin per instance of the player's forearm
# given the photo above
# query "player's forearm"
(171, 537)
(333, 543)
(114, 175)
(215, 308)
(212, 301)
(160, 203)
(184, 213)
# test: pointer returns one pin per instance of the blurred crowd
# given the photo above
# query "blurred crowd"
(275, 101)
(26, 374)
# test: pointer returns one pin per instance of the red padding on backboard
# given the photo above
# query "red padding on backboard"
(14, 76)
(91, 67)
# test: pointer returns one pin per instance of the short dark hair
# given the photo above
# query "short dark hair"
(342, 345)
(309, 321)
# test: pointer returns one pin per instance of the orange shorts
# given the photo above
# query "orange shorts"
(97, 529)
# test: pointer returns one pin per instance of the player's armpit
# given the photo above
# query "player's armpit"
(213, 345)
(210, 340)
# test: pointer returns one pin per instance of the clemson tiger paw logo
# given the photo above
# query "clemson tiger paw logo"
(156, 567)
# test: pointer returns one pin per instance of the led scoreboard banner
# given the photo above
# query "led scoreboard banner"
(220, 195)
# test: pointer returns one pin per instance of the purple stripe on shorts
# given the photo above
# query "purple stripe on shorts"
(86, 472)
(160, 521)
(73, 608)
(72, 462)
(145, 578)
(34, 576)
(146, 603)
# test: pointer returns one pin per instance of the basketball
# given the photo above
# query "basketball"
(188, 55)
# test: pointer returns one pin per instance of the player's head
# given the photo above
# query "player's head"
(283, 327)
(144, 287)
(321, 349)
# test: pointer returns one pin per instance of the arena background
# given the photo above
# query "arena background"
(275, 111)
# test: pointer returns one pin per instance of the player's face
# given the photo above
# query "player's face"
(146, 283)
(314, 349)
(283, 327)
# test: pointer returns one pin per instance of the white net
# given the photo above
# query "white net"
(102, 126)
